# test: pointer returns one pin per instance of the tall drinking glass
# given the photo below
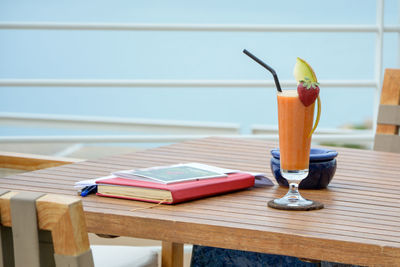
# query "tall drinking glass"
(295, 124)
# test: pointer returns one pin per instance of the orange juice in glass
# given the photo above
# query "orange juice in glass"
(295, 118)
(295, 126)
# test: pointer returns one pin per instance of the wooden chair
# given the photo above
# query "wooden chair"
(62, 223)
(387, 132)
(63, 238)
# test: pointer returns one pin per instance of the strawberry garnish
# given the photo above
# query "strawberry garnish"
(308, 91)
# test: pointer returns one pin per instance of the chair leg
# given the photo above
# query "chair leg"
(7, 248)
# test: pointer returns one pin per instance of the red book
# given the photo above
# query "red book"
(175, 192)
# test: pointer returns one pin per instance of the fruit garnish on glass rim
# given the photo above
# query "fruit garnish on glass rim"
(308, 91)
(308, 87)
(303, 69)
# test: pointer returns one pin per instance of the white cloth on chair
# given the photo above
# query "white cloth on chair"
(124, 256)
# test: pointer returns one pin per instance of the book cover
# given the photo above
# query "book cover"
(175, 192)
(172, 173)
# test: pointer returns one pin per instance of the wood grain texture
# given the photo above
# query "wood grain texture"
(31, 162)
(359, 225)
(62, 215)
(172, 254)
(390, 96)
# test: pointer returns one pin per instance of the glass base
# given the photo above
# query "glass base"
(293, 197)
(293, 200)
(276, 204)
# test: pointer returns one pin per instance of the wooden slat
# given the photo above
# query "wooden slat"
(30, 162)
(359, 224)
(390, 96)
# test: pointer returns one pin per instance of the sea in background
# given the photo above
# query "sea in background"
(49, 54)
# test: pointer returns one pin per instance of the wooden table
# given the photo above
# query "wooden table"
(360, 223)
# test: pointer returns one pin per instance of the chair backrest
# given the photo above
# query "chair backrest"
(387, 131)
(43, 218)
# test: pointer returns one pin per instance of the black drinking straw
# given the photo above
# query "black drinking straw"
(259, 61)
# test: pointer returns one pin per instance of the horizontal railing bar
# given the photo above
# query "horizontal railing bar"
(192, 27)
(392, 28)
(268, 129)
(117, 123)
(167, 138)
(173, 83)
(112, 120)
(121, 123)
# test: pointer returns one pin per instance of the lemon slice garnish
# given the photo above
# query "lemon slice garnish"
(302, 69)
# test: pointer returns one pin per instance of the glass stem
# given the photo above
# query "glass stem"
(293, 197)
(294, 188)
(293, 194)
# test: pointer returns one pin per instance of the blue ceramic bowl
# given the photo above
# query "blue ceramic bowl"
(321, 171)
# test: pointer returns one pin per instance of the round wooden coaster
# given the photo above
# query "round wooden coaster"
(314, 206)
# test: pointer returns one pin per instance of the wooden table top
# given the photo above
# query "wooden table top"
(360, 223)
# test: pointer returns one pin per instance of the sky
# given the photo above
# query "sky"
(189, 55)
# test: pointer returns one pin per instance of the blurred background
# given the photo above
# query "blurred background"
(91, 78)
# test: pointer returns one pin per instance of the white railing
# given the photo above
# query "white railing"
(116, 124)
(174, 83)
(335, 138)
(380, 14)
(258, 129)
(379, 29)
(172, 131)
(196, 27)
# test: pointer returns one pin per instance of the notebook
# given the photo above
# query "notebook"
(173, 192)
